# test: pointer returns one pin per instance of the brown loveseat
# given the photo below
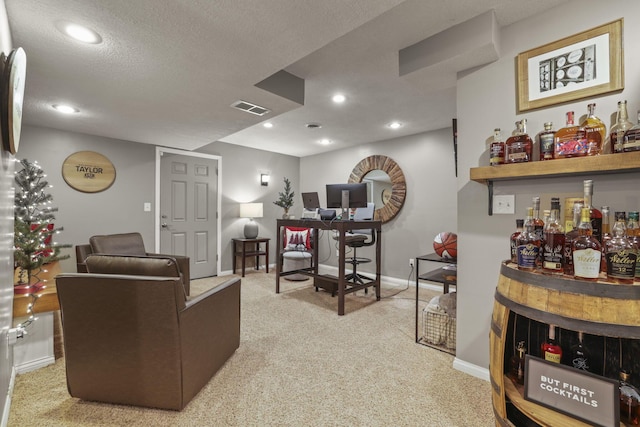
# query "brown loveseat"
(126, 244)
(133, 339)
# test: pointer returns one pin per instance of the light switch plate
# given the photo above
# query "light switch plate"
(147, 207)
(504, 204)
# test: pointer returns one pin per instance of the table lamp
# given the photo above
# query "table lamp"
(251, 210)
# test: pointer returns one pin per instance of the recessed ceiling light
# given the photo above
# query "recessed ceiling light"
(338, 98)
(65, 109)
(326, 141)
(268, 125)
(81, 33)
(394, 125)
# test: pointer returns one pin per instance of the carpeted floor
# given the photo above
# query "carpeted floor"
(299, 364)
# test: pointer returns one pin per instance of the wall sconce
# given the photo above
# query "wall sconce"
(264, 179)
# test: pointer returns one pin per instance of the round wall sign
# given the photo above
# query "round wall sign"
(88, 171)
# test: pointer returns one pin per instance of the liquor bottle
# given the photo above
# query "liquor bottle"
(616, 135)
(633, 232)
(553, 243)
(629, 400)
(496, 149)
(580, 355)
(621, 254)
(569, 237)
(570, 141)
(545, 141)
(587, 251)
(519, 146)
(528, 245)
(550, 350)
(514, 240)
(517, 364)
(606, 236)
(594, 214)
(631, 140)
(595, 131)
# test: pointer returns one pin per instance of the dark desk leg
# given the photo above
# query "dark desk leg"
(278, 266)
(417, 294)
(257, 261)
(266, 263)
(341, 281)
(244, 251)
(235, 255)
(378, 260)
(445, 287)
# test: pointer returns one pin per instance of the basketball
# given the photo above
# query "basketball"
(446, 244)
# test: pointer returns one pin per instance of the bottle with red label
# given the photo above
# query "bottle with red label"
(551, 351)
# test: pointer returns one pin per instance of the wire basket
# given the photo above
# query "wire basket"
(439, 329)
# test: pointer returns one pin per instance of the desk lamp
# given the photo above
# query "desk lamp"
(251, 211)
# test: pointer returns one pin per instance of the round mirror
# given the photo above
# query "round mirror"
(386, 183)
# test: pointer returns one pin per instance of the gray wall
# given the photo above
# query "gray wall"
(427, 162)
(6, 245)
(120, 208)
(487, 99)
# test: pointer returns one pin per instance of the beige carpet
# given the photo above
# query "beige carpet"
(299, 364)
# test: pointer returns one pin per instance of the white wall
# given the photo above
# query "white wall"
(487, 99)
(427, 162)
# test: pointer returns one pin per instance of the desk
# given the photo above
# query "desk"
(254, 251)
(341, 227)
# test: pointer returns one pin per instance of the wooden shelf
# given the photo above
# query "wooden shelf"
(604, 164)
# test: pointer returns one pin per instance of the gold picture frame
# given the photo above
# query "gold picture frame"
(579, 66)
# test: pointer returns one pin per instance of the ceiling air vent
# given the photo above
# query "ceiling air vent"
(250, 108)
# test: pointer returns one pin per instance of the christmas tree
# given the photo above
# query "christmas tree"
(33, 224)
(285, 199)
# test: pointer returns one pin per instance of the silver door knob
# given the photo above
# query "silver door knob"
(164, 225)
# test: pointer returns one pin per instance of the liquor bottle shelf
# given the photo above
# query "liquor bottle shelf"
(590, 165)
(603, 164)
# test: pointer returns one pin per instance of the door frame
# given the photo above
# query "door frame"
(159, 151)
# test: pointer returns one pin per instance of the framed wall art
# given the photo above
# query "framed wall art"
(579, 66)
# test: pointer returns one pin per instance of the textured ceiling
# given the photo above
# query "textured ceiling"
(167, 72)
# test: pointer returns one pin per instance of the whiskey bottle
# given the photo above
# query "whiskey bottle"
(545, 142)
(629, 400)
(538, 224)
(631, 140)
(595, 131)
(569, 237)
(519, 146)
(606, 236)
(570, 141)
(594, 214)
(553, 242)
(616, 135)
(587, 251)
(621, 254)
(550, 350)
(517, 364)
(580, 355)
(633, 233)
(528, 245)
(496, 149)
(514, 240)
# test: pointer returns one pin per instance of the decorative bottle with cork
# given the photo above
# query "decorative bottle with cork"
(519, 146)
(616, 135)
(514, 240)
(553, 242)
(621, 254)
(569, 237)
(595, 131)
(528, 245)
(631, 140)
(545, 141)
(570, 141)
(516, 372)
(550, 350)
(594, 214)
(587, 251)
(633, 232)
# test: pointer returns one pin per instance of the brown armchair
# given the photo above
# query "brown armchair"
(134, 340)
(126, 244)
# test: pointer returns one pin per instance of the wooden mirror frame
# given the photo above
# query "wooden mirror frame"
(398, 184)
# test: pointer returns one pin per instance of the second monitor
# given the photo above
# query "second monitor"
(346, 196)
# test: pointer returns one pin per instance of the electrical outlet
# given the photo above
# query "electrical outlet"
(411, 261)
(337, 252)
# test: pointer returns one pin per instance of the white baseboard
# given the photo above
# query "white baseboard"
(7, 403)
(32, 365)
(473, 370)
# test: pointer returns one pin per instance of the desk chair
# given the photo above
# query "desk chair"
(357, 239)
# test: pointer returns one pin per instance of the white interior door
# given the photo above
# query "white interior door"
(188, 204)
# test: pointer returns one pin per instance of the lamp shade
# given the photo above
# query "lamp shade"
(250, 210)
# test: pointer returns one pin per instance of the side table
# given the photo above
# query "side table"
(247, 248)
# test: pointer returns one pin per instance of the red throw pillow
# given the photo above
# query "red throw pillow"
(297, 238)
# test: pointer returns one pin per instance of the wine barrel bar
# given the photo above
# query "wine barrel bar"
(596, 308)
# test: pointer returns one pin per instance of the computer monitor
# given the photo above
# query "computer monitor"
(310, 201)
(346, 196)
